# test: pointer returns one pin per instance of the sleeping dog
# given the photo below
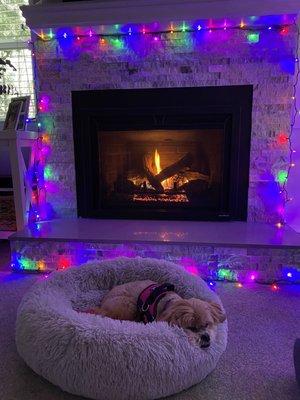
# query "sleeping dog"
(149, 301)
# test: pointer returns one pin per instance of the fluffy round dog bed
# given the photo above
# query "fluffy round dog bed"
(101, 358)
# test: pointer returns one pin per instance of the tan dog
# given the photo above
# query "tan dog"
(198, 318)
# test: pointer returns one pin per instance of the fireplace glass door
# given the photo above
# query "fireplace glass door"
(162, 169)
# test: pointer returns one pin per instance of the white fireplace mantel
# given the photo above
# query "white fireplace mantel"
(106, 12)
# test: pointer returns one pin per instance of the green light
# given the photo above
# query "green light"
(117, 43)
(184, 27)
(47, 123)
(117, 26)
(224, 273)
(26, 263)
(281, 176)
(253, 37)
(48, 172)
(51, 34)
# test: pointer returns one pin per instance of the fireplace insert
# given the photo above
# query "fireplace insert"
(163, 153)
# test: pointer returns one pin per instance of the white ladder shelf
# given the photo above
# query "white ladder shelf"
(15, 141)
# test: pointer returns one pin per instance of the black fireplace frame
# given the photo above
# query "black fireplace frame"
(165, 108)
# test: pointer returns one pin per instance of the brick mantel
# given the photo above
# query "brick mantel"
(85, 13)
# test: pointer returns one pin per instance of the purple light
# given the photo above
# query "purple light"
(252, 276)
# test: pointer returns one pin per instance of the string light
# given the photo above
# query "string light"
(283, 176)
(253, 37)
(253, 31)
(274, 287)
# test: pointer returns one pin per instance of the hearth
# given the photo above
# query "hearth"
(163, 153)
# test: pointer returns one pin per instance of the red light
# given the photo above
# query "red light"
(284, 31)
(64, 262)
(274, 287)
(282, 138)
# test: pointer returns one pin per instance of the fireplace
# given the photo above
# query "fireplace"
(179, 153)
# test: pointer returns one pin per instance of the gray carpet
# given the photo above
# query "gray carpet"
(257, 365)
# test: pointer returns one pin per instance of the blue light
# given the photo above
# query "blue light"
(291, 273)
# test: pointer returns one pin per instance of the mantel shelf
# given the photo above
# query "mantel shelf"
(106, 12)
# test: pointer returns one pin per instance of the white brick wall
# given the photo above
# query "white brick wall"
(174, 63)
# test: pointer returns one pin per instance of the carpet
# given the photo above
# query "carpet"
(258, 362)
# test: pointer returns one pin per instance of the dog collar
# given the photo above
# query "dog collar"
(149, 298)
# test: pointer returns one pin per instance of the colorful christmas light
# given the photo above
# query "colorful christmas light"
(117, 37)
(274, 287)
(252, 28)
(253, 37)
(282, 176)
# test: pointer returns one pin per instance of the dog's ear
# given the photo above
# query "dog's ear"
(180, 313)
(217, 312)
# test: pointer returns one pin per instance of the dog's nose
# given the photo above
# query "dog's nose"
(205, 338)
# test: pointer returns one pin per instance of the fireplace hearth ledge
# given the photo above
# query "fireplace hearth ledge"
(244, 249)
(227, 234)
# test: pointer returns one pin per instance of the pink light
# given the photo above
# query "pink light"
(192, 270)
(190, 265)
(280, 210)
(44, 103)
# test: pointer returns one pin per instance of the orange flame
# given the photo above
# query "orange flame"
(167, 183)
(157, 161)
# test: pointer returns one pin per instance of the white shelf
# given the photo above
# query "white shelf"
(14, 141)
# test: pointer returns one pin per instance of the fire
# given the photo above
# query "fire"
(157, 161)
(167, 183)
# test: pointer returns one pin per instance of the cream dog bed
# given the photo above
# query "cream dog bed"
(101, 358)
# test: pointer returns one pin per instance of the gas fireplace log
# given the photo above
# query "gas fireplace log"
(153, 179)
(175, 168)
